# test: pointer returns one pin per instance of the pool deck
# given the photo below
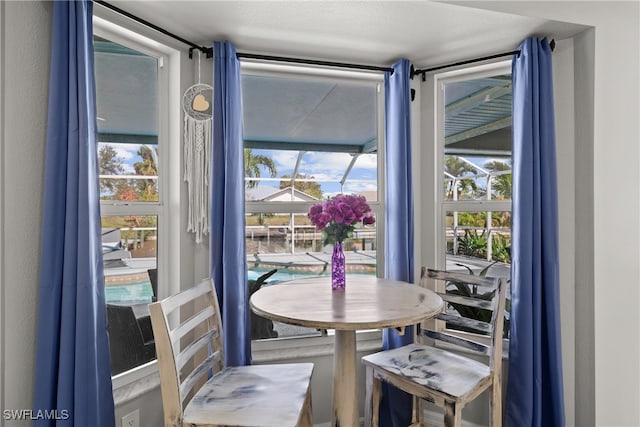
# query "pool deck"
(312, 261)
(356, 261)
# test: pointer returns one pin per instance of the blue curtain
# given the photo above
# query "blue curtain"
(395, 407)
(228, 253)
(73, 372)
(534, 390)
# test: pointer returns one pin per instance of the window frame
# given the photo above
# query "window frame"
(262, 69)
(167, 209)
(442, 206)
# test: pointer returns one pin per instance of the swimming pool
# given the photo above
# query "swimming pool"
(282, 275)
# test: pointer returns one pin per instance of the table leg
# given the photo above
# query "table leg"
(345, 392)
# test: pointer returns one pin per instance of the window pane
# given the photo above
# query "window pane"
(129, 248)
(474, 248)
(127, 108)
(272, 246)
(319, 175)
(269, 241)
(128, 105)
(126, 93)
(307, 138)
(467, 235)
(128, 172)
(477, 132)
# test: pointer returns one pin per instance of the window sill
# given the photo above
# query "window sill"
(132, 384)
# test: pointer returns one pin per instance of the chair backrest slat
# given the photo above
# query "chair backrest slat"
(461, 277)
(202, 342)
(469, 301)
(186, 327)
(169, 304)
(473, 318)
(202, 369)
(466, 323)
(460, 342)
(188, 335)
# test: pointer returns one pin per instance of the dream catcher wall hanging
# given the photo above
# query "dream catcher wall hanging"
(197, 104)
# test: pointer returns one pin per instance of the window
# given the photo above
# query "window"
(308, 136)
(474, 170)
(132, 179)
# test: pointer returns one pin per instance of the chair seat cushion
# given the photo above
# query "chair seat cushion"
(258, 395)
(436, 369)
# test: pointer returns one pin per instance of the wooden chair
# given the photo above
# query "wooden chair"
(197, 388)
(427, 370)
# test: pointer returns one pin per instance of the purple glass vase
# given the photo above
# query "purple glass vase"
(338, 279)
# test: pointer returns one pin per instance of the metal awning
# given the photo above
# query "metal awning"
(309, 115)
(126, 93)
(478, 116)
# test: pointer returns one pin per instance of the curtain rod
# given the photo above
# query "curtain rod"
(313, 62)
(208, 51)
(424, 71)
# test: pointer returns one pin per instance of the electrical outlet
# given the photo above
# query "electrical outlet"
(132, 419)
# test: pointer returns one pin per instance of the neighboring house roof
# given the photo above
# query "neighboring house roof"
(285, 195)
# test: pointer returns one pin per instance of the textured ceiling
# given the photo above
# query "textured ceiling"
(371, 32)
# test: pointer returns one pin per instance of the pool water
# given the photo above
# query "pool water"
(283, 275)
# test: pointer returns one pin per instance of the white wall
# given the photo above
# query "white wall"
(25, 33)
(563, 77)
(584, 344)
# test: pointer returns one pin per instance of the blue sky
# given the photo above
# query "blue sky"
(327, 168)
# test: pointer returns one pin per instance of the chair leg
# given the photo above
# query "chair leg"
(452, 414)
(372, 399)
(417, 418)
(306, 420)
(495, 411)
(377, 395)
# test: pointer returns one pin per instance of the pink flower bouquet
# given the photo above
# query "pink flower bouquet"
(338, 216)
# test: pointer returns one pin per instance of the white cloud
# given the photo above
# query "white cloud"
(358, 187)
(126, 152)
(284, 160)
(367, 161)
(325, 163)
(329, 168)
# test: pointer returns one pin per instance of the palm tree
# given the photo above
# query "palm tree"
(147, 188)
(458, 168)
(253, 164)
(501, 183)
(501, 190)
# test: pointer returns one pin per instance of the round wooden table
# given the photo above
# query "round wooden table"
(367, 303)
